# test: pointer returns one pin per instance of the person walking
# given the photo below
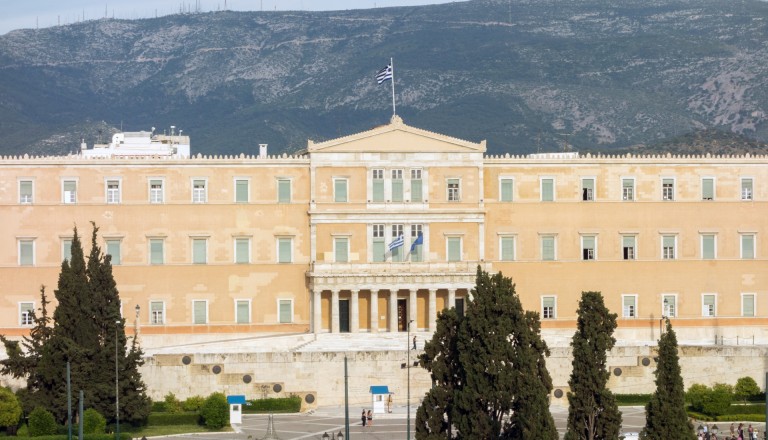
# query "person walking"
(414, 342)
(363, 418)
(370, 418)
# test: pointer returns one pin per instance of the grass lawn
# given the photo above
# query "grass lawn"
(153, 431)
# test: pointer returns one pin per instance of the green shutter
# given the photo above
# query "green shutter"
(628, 241)
(25, 191)
(547, 190)
(588, 189)
(342, 250)
(746, 189)
(548, 301)
(454, 249)
(156, 307)
(507, 248)
(748, 305)
(66, 250)
(708, 189)
(748, 247)
(241, 191)
(340, 190)
(200, 311)
(156, 251)
(397, 190)
(284, 191)
(198, 251)
(26, 253)
(588, 242)
(285, 311)
(708, 247)
(416, 195)
(284, 250)
(242, 248)
(113, 249)
(669, 241)
(378, 190)
(70, 186)
(506, 190)
(243, 312)
(547, 248)
(378, 250)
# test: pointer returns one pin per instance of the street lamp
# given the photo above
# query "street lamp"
(326, 436)
(340, 436)
(117, 392)
(138, 309)
(715, 429)
(664, 315)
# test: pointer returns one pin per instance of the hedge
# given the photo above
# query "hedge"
(742, 418)
(745, 409)
(123, 436)
(277, 405)
(173, 419)
(632, 399)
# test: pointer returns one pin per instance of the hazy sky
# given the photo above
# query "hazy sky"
(15, 14)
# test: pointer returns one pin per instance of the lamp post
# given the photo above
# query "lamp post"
(664, 315)
(117, 391)
(408, 367)
(136, 323)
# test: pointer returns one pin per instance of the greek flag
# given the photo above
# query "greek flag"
(396, 243)
(384, 74)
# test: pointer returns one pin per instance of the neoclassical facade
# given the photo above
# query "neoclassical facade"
(379, 229)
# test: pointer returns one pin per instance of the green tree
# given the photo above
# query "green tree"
(745, 388)
(10, 408)
(41, 422)
(592, 410)
(215, 411)
(665, 416)
(93, 422)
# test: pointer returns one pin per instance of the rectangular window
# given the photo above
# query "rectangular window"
(506, 187)
(416, 184)
(628, 189)
(113, 250)
(284, 250)
(69, 191)
(708, 247)
(284, 191)
(242, 190)
(26, 192)
(243, 311)
(668, 245)
(708, 305)
(746, 188)
(669, 306)
(156, 251)
(242, 250)
(341, 249)
(629, 303)
(747, 246)
(66, 249)
(157, 312)
(399, 252)
(454, 248)
(507, 248)
(199, 312)
(588, 189)
(26, 310)
(199, 251)
(417, 243)
(548, 307)
(668, 189)
(199, 191)
(378, 249)
(628, 247)
(707, 188)
(286, 311)
(377, 186)
(747, 304)
(547, 189)
(454, 190)
(397, 185)
(340, 190)
(113, 191)
(156, 191)
(548, 248)
(26, 252)
(588, 247)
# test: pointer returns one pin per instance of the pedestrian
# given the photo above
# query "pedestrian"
(363, 418)
(414, 342)
(370, 418)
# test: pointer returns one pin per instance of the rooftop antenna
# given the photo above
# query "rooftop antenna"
(565, 146)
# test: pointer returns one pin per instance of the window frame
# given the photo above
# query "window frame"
(633, 196)
(279, 315)
(634, 314)
(195, 240)
(751, 195)
(543, 237)
(453, 194)
(378, 236)
(394, 181)
(237, 180)
(152, 320)
(541, 189)
(543, 307)
(151, 192)
(279, 182)
(25, 314)
(714, 305)
(22, 197)
(347, 239)
(742, 236)
(207, 319)
(448, 240)
(754, 304)
(107, 241)
(674, 247)
(713, 179)
(32, 245)
(584, 249)
(502, 238)
(634, 247)
(337, 195)
(671, 310)
(235, 254)
(161, 241)
(64, 182)
(64, 241)
(668, 197)
(195, 191)
(593, 196)
(278, 241)
(112, 196)
(417, 228)
(511, 181)
(248, 301)
(702, 237)
(416, 175)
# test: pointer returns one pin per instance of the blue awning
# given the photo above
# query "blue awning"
(379, 389)
(235, 400)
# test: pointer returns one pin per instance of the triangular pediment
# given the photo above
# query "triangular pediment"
(396, 137)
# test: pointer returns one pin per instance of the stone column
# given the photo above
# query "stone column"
(393, 310)
(451, 298)
(354, 312)
(334, 311)
(412, 309)
(317, 313)
(432, 310)
(374, 311)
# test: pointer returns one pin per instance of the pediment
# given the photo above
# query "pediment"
(396, 137)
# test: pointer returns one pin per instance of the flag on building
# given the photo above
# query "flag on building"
(396, 243)
(419, 240)
(384, 74)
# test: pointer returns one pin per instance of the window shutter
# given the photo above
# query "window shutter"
(243, 312)
(506, 190)
(340, 190)
(397, 190)
(156, 251)
(378, 250)
(547, 190)
(747, 246)
(707, 189)
(200, 312)
(242, 246)
(588, 242)
(113, 249)
(548, 301)
(416, 195)
(628, 241)
(241, 191)
(547, 248)
(284, 250)
(198, 251)
(748, 307)
(285, 311)
(668, 241)
(26, 257)
(284, 191)
(342, 252)
(507, 248)
(378, 190)
(454, 249)
(707, 247)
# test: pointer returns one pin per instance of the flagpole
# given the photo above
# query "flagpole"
(392, 63)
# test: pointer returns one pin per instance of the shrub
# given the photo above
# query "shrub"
(193, 403)
(279, 405)
(10, 408)
(156, 419)
(41, 422)
(172, 404)
(632, 399)
(742, 418)
(711, 401)
(215, 411)
(93, 422)
(158, 407)
(745, 388)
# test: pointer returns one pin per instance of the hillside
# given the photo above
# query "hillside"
(611, 74)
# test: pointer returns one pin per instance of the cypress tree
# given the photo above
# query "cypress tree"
(665, 416)
(592, 412)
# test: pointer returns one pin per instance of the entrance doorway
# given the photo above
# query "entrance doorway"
(344, 316)
(402, 315)
(460, 307)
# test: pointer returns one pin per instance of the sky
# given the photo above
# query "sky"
(15, 14)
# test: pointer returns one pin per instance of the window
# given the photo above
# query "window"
(707, 188)
(69, 191)
(708, 247)
(629, 306)
(113, 250)
(453, 245)
(157, 312)
(199, 251)
(708, 305)
(417, 243)
(629, 247)
(668, 245)
(507, 248)
(199, 191)
(284, 191)
(285, 311)
(156, 251)
(668, 189)
(113, 191)
(341, 249)
(506, 187)
(242, 190)
(454, 190)
(284, 250)
(397, 185)
(26, 191)
(156, 191)
(378, 247)
(747, 246)
(26, 312)
(340, 190)
(26, 252)
(397, 252)
(548, 248)
(669, 306)
(66, 249)
(588, 189)
(747, 304)
(242, 250)
(548, 310)
(588, 247)
(628, 189)
(377, 186)
(547, 189)
(746, 188)
(416, 184)
(199, 312)
(243, 311)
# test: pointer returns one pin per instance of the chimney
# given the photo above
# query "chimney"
(83, 145)
(262, 151)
